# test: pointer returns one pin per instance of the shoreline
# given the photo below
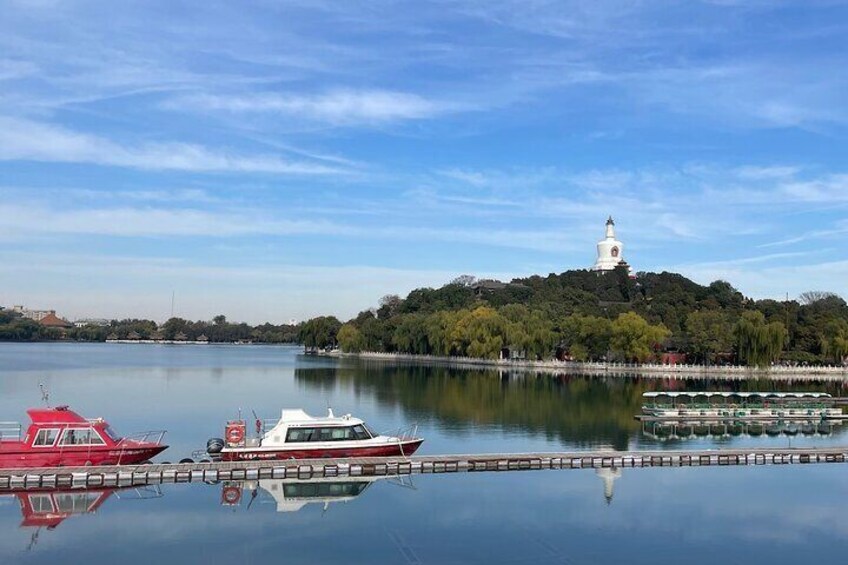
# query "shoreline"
(733, 372)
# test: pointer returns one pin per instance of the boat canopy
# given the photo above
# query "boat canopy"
(297, 416)
(738, 394)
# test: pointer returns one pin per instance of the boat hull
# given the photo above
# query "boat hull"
(394, 449)
(12, 457)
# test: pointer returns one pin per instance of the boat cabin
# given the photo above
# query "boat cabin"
(60, 436)
(296, 426)
(55, 427)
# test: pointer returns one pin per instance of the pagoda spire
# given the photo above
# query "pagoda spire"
(610, 228)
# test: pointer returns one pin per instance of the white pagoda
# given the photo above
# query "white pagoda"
(609, 250)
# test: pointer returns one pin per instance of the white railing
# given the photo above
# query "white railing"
(154, 436)
(614, 367)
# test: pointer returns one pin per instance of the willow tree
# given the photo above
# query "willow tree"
(758, 343)
(481, 332)
(634, 338)
(410, 335)
(528, 330)
(350, 339)
(834, 341)
(319, 332)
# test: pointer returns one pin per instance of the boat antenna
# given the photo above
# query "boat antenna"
(45, 394)
(258, 422)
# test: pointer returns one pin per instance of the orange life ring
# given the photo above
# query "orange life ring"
(235, 433)
(231, 495)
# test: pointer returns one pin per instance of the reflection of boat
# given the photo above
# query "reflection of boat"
(665, 429)
(744, 405)
(290, 495)
(297, 435)
(47, 508)
(61, 437)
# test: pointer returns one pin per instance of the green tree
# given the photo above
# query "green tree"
(758, 343)
(835, 341)
(410, 334)
(350, 339)
(319, 332)
(481, 332)
(709, 332)
(586, 337)
(634, 339)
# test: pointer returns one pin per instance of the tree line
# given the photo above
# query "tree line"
(13, 327)
(587, 316)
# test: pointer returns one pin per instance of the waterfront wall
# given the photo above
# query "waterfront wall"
(731, 372)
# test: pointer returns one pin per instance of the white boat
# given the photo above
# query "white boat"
(297, 435)
(756, 405)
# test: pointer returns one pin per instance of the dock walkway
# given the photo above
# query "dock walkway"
(305, 469)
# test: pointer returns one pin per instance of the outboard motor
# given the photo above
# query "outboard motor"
(214, 446)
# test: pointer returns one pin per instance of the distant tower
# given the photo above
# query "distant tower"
(610, 250)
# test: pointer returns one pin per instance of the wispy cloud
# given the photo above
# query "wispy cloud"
(17, 221)
(338, 107)
(27, 140)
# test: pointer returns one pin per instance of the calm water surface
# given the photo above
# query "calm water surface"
(745, 515)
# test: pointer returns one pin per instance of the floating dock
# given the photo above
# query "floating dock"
(135, 475)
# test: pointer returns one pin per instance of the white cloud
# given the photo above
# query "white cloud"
(339, 107)
(27, 140)
(84, 285)
(155, 222)
(775, 281)
(828, 188)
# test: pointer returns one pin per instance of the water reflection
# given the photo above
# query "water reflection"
(48, 508)
(578, 410)
(291, 495)
(689, 429)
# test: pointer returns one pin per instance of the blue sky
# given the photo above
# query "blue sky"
(279, 159)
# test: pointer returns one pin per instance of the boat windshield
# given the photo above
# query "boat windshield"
(107, 429)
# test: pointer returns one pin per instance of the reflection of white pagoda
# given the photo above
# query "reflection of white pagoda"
(610, 250)
(608, 475)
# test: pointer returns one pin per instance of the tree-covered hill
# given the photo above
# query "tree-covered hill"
(587, 315)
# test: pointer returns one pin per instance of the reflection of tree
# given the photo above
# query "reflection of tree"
(578, 410)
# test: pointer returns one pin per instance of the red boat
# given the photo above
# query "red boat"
(59, 437)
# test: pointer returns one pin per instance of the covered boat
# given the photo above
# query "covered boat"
(744, 405)
(59, 437)
(297, 435)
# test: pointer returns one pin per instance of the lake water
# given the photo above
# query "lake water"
(697, 515)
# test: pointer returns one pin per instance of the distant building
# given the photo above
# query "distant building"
(486, 286)
(99, 322)
(35, 315)
(51, 320)
(610, 251)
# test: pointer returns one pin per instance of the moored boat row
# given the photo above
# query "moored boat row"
(59, 437)
(741, 405)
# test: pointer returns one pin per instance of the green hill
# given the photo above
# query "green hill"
(586, 315)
